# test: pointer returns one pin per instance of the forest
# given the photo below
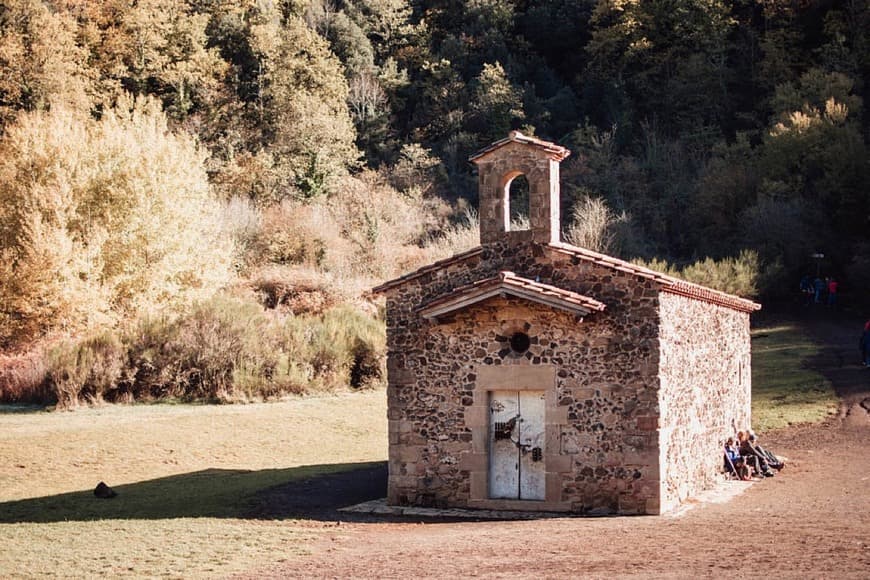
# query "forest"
(197, 195)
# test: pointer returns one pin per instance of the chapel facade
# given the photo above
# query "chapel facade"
(530, 374)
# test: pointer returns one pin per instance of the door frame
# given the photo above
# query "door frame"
(516, 377)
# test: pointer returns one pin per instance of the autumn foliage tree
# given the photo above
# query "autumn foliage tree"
(102, 219)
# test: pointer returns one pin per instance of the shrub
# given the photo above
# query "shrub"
(195, 356)
(297, 290)
(86, 371)
(223, 350)
(595, 226)
(23, 378)
(739, 276)
(462, 235)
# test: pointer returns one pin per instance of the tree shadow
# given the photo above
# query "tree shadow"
(838, 359)
(307, 492)
(22, 409)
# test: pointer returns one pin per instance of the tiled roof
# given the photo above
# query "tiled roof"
(508, 283)
(669, 283)
(557, 151)
(461, 257)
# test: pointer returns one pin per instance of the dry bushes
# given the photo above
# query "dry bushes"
(101, 220)
(295, 290)
(23, 378)
(223, 350)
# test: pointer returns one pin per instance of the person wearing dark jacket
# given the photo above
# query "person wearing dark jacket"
(772, 460)
(752, 456)
(733, 462)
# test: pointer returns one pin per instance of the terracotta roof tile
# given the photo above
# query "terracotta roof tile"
(669, 283)
(461, 257)
(511, 284)
(557, 151)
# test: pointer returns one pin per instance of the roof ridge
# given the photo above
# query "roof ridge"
(516, 137)
(506, 281)
(675, 285)
(428, 268)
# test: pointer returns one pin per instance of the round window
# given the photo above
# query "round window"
(520, 342)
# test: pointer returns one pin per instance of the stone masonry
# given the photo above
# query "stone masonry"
(642, 375)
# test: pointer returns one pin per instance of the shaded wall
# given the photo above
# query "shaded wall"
(705, 387)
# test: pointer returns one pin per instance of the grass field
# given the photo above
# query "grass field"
(786, 386)
(186, 476)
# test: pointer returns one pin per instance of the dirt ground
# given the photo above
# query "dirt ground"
(812, 520)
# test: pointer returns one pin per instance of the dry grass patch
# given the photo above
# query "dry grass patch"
(186, 476)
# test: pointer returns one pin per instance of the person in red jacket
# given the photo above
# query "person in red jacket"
(832, 292)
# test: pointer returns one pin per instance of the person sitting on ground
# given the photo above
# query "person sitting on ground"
(734, 463)
(772, 460)
(752, 457)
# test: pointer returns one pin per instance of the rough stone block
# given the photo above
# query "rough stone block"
(479, 485)
(477, 416)
(473, 462)
(553, 487)
(558, 463)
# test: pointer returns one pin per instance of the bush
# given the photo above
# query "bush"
(195, 356)
(86, 371)
(297, 290)
(102, 220)
(23, 378)
(740, 276)
(595, 226)
(223, 350)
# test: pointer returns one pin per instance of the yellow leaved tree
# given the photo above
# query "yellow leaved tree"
(102, 219)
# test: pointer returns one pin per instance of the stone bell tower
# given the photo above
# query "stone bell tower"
(501, 163)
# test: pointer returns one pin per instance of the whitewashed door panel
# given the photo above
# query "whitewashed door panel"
(532, 472)
(504, 475)
(516, 445)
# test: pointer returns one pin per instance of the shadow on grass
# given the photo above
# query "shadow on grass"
(22, 408)
(839, 360)
(308, 492)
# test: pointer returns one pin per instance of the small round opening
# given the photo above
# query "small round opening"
(520, 342)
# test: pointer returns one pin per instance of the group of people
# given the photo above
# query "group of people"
(819, 291)
(745, 458)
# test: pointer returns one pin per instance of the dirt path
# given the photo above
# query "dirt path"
(812, 520)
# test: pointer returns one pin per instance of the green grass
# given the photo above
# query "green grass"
(785, 389)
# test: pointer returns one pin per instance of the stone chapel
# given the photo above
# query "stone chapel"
(530, 374)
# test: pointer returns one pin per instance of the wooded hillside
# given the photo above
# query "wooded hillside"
(155, 152)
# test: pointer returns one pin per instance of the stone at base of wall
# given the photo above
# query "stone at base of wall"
(722, 492)
(519, 505)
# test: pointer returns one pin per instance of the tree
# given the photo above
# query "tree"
(41, 63)
(496, 104)
(668, 57)
(102, 219)
(304, 105)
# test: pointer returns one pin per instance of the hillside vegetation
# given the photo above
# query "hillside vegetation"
(196, 195)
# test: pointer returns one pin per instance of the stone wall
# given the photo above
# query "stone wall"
(494, 176)
(606, 370)
(705, 389)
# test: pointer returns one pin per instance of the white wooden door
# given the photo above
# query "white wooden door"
(516, 445)
(531, 448)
